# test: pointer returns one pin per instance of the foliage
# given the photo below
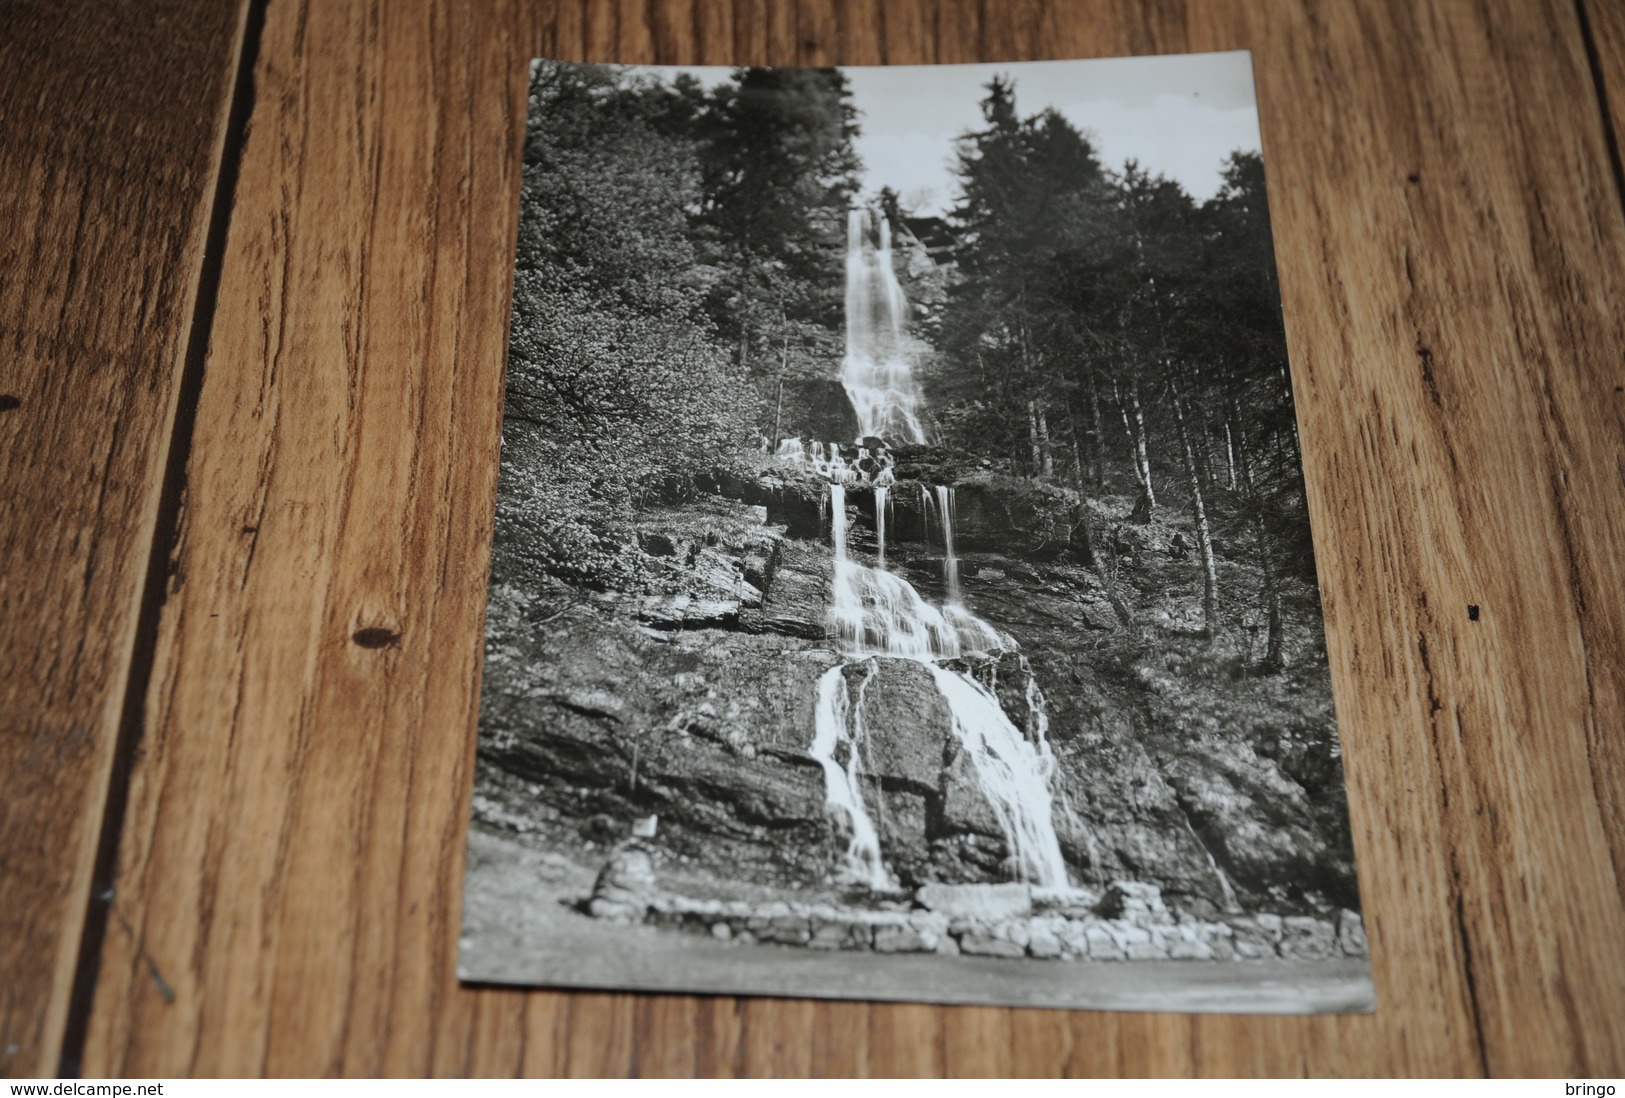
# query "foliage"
(780, 174)
(679, 256)
(1099, 314)
(615, 383)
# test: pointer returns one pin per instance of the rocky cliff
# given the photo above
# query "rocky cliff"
(689, 696)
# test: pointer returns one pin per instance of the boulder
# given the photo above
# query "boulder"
(687, 612)
(964, 808)
(786, 929)
(1351, 933)
(1013, 515)
(900, 938)
(1043, 941)
(988, 946)
(1135, 901)
(792, 497)
(906, 724)
(796, 599)
(1147, 951)
(625, 886)
(1190, 951)
(989, 902)
(1103, 945)
(1304, 937)
(828, 933)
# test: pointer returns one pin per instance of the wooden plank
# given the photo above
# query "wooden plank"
(111, 126)
(1603, 26)
(1450, 249)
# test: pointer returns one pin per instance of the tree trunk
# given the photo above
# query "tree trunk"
(1083, 538)
(778, 406)
(1128, 433)
(1274, 650)
(1099, 438)
(1213, 438)
(1142, 455)
(1046, 451)
(1204, 537)
(1077, 450)
(1085, 547)
(1032, 437)
(1230, 453)
(1108, 581)
(1243, 465)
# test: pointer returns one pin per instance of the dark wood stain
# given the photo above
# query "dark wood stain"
(376, 636)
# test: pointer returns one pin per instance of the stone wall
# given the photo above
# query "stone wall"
(1129, 924)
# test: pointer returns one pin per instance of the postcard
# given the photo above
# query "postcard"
(902, 585)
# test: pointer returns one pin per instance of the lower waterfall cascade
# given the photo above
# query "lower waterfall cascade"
(875, 613)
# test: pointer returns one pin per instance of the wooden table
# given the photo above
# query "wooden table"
(254, 274)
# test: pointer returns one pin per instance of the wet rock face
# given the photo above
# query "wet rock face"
(791, 497)
(1032, 521)
(795, 598)
(820, 408)
(609, 718)
(905, 724)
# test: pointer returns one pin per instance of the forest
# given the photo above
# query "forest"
(1099, 329)
(1105, 386)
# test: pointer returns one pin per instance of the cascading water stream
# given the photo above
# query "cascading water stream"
(1013, 775)
(880, 524)
(838, 728)
(875, 613)
(877, 373)
(950, 561)
(1227, 892)
(879, 613)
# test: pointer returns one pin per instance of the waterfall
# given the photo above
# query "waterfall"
(838, 725)
(875, 613)
(877, 372)
(837, 527)
(880, 523)
(1227, 891)
(878, 613)
(950, 562)
(1014, 777)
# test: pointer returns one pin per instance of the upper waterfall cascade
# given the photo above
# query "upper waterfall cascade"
(877, 372)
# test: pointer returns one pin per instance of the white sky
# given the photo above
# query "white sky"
(1180, 115)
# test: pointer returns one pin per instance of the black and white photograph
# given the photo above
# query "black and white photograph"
(902, 584)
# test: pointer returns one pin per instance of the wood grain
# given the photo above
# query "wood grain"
(111, 123)
(1450, 242)
(1603, 25)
